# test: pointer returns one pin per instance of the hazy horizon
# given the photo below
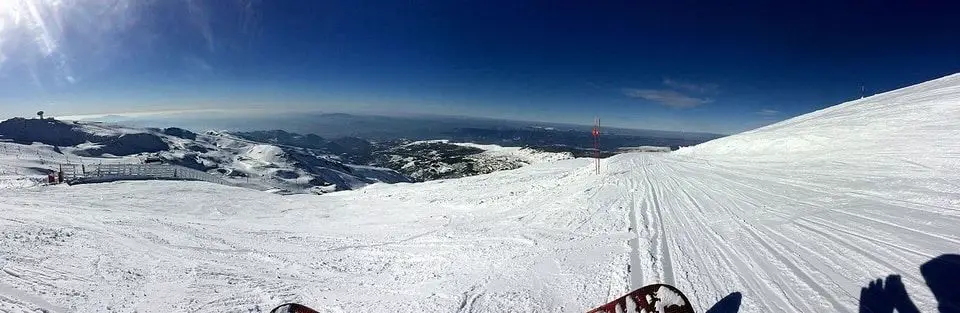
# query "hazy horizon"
(326, 123)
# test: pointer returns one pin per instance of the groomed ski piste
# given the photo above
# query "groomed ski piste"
(796, 217)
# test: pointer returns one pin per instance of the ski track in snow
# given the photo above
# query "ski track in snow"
(560, 243)
(796, 218)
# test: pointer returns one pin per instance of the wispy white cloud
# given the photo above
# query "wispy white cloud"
(707, 88)
(201, 20)
(666, 97)
(195, 62)
(678, 94)
(768, 112)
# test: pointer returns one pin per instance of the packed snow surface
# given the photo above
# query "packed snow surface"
(797, 217)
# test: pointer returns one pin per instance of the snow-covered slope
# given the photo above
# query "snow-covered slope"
(915, 120)
(525, 155)
(800, 230)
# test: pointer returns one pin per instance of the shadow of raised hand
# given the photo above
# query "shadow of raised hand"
(884, 297)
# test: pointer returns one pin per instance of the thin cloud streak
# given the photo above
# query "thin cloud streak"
(668, 98)
(709, 88)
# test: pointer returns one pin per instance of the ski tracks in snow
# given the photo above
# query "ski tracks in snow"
(544, 238)
(788, 244)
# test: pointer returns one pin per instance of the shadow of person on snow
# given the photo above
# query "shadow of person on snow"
(942, 275)
(729, 304)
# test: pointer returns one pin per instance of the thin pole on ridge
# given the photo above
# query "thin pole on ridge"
(596, 142)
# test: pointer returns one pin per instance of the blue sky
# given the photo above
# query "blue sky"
(672, 66)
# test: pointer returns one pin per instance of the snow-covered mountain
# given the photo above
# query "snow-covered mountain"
(421, 160)
(799, 216)
(348, 149)
(245, 162)
(441, 159)
(291, 168)
(276, 160)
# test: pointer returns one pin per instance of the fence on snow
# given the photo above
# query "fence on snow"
(98, 173)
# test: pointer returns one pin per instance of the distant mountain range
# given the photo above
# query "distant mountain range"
(377, 128)
(277, 159)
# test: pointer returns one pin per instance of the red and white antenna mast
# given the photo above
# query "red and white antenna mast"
(596, 142)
